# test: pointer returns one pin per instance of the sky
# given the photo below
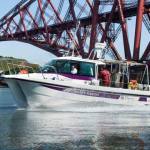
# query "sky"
(36, 55)
(19, 49)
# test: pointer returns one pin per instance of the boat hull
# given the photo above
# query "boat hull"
(58, 96)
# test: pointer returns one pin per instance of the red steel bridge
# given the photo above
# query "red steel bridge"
(59, 26)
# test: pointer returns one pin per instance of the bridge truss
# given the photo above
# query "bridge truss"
(59, 26)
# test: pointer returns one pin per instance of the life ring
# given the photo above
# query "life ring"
(133, 84)
(23, 71)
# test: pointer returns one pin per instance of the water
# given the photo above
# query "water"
(6, 98)
(107, 129)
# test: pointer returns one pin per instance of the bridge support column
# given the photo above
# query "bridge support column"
(124, 30)
(94, 25)
(138, 29)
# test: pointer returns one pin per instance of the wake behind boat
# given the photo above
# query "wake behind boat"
(73, 83)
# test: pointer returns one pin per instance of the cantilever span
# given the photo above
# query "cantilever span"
(74, 24)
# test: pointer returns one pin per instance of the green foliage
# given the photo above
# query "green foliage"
(12, 65)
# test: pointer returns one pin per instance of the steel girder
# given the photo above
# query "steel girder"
(56, 25)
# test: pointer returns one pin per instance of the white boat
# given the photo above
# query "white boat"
(59, 89)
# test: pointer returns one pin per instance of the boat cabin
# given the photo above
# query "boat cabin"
(128, 74)
(123, 74)
(85, 69)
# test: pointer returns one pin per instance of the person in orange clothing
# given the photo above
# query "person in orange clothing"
(105, 75)
(24, 71)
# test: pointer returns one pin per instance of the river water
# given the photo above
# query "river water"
(111, 128)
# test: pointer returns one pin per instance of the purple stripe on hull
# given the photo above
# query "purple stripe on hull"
(100, 93)
(143, 99)
(79, 77)
(79, 91)
(59, 88)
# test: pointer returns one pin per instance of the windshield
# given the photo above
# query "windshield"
(70, 67)
(50, 67)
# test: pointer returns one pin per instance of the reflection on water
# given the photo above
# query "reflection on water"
(44, 130)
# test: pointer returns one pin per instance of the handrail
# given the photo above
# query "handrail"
(9, 65)
(14, 68)
(19, 67)
(54, 68)
(113, 83)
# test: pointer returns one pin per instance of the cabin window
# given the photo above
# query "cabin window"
(63, 66)
(83, 68)
(87, 69)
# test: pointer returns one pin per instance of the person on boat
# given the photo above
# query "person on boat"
(133, 85)
(105, 76)
(23, 71)
(74, 70)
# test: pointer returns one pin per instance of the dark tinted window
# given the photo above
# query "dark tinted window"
(64, 66)
(87, 69)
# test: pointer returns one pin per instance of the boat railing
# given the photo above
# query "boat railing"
(10, 67)
(132, 84)
(17, 68)
(53, 68)
(14, 68)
